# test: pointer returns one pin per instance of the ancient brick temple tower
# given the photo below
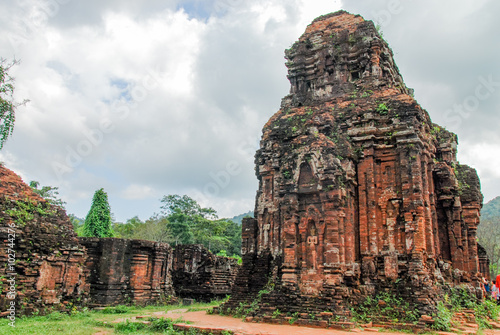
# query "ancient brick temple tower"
(358, 190)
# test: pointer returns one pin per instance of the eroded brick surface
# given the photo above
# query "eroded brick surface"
(49, 269)
(128, 271)
(145, 272)
(199, 274)
(359, 191)
(53, 269)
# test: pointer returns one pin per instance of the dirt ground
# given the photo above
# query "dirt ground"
(202, 320)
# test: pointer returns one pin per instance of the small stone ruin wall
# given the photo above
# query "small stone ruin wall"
(128, 271)
(199, 274)
(41, 263)
(144, 272)
(45, 266)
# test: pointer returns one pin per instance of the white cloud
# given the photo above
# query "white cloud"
(136, 192)
(186, 94)
(485, 158)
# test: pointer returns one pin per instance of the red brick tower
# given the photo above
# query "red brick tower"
(358, 189)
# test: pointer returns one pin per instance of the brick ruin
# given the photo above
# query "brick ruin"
(54, 269)
(46, 262)
(359, 192)
(144, 272)
(124, 271)
(484, 262)
(200, 275)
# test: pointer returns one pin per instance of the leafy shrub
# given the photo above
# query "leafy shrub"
(488, 309)
(161, 324)
(442, 320)
(460, 297)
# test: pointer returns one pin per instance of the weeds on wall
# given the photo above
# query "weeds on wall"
(460, 298)
(385, 305)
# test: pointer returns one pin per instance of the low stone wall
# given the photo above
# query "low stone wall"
(128, 271)
(199, 274)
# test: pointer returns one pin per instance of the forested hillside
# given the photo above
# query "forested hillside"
(239, 218)
(488, 233)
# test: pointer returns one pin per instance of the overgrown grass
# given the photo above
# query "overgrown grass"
(442, 319)
(459, 298)
(153, 325)
(89, 322)
(120, 309)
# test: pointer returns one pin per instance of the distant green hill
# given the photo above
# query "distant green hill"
(491, 209)
(239, 218)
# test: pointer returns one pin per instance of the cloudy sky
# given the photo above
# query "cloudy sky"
(149, 98)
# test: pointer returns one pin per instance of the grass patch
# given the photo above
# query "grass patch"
(89, 322)
(120, 309)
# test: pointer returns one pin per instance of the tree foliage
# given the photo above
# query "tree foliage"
(98, 220)
(191, 223)
(153, 229)
(77, 224)
(184, 221)
(7, 104)
(127, 229)
(185, 205)
(49, 193)
(488, 233)
(491, 209)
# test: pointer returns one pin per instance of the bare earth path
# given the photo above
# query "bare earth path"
(201, 319)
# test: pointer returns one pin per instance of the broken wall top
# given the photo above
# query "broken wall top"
(49, 262)
(13, 187)
(31, 213)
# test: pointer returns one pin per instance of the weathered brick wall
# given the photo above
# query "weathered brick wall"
(359, 191)
(199, 274)
(47, 263)
(484, 262)
(128, 271)
(51, 268)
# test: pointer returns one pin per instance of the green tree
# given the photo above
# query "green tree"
(233, 233)
(98, 220)
(49, 193)
(188, 223)
(154, 229)
(185, 205)
(77, 224)
(181, 226)
(7, 104)
(488, 233)
(127, 229)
